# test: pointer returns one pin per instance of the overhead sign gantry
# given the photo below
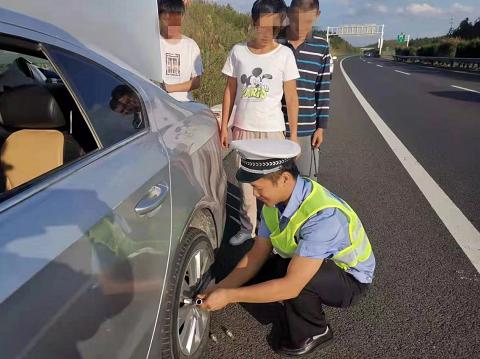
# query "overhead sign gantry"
(358, 30)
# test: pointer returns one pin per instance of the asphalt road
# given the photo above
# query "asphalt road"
(437, 122)
(425, 300)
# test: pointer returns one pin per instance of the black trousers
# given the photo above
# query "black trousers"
(331, 286)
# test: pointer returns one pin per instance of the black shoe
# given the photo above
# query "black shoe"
(307, 345)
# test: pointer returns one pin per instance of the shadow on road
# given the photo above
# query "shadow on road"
(449, 73)
(458, 95)
(269, 313)
(228, 256)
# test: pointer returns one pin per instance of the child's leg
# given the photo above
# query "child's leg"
(248, 207)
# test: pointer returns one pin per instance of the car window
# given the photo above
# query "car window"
(113, 107)
(41, 127)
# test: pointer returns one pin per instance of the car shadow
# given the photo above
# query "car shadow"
(466, 96)
(228, 256)
(464, 75)
(266, 314)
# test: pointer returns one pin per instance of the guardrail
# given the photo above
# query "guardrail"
(465, 63)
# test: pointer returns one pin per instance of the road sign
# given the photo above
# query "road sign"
(357, 30)
(402, 38)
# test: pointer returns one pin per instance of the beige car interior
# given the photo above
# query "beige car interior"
(36, 131)
(28, 154)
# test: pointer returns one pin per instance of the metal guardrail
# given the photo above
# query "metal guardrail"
(466, 63)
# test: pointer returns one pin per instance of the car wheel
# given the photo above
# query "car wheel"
(186, 327)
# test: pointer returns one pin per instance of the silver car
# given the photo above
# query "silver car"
(111, 204)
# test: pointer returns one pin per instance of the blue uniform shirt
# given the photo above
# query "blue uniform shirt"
(323, 235)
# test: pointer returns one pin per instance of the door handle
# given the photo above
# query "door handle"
(152, 200)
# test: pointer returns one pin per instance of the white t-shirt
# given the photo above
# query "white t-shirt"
(181, 61)
(260, 79)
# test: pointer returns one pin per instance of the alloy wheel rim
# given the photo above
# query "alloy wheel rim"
(192, 322)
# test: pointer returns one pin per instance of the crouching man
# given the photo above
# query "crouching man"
(322, 255)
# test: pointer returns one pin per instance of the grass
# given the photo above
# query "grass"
(216, 29)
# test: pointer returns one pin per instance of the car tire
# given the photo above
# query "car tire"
(194, 242)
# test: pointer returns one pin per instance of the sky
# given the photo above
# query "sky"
(419, 18)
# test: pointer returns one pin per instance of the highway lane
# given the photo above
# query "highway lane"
(438, 123)
(424, 72)
(424, 302)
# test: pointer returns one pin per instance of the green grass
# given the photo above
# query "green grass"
(216, 29)
(442, 47)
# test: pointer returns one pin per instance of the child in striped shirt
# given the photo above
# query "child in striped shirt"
(313, 87)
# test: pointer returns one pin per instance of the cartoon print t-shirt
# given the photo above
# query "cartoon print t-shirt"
(181, 61)
(260, 81)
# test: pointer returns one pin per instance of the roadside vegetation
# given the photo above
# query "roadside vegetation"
(216, 29)
(462, 42)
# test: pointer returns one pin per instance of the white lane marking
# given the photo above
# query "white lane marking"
(379, 65)
(231, 194)
(368, 62)
(401, 72)
(439, 69)
(465, 89)
(462, 230)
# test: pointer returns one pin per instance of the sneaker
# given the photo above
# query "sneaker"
(240, 238)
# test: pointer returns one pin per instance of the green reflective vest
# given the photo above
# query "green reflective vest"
(319, 199)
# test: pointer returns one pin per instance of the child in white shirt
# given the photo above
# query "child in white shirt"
(260, 73)
(181, 60)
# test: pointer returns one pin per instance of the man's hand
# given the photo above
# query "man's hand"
(216, 300)
(317, 138)
(210, 288)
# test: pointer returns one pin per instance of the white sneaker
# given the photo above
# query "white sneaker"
(240, 238)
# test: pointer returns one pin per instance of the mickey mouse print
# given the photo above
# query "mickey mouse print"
(255, 85)
(260, 80)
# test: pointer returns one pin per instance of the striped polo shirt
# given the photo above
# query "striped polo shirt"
(313, 87)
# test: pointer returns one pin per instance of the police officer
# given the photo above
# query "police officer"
(322, 255)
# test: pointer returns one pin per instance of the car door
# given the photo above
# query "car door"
(84, 248)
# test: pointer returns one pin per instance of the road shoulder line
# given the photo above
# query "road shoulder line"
(462, 230)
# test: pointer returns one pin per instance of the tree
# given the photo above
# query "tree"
(476, 28)
(467, 30)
